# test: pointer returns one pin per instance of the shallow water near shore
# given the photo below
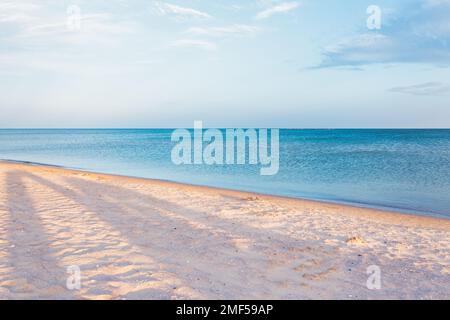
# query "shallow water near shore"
(402, 170)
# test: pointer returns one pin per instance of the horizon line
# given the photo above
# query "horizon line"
(251, 127)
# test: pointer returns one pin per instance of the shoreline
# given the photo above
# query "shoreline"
(136, 238)
(357, 205)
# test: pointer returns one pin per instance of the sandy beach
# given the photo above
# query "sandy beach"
(144, 239)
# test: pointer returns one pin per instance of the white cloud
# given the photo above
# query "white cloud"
(17, 12)
(39, 38)
(424, 89)
(33, 21)
(432, 3)
(93, 25)
(415, 36)
(279, 8)
(194, 43)
(183, 12)
(232, 30)
(362, 41)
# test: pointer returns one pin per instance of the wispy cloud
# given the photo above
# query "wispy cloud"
(419, 35)
(195, 43)
(17, 12)
(31, 21)
(432, 3)
(94, 24)
(232, 30)
(279, 8)
(178, 11)
(40, 38)
(423, 89)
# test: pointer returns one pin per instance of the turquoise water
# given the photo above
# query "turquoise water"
(403, 170)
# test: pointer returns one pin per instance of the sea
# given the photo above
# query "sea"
(403, 170)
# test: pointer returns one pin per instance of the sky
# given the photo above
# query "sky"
(228, 63)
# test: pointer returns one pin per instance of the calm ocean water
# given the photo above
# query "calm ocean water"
(403, 170)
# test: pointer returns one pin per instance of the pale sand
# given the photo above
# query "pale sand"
(144, 239)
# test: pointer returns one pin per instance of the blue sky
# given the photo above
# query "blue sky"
(254, 63)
